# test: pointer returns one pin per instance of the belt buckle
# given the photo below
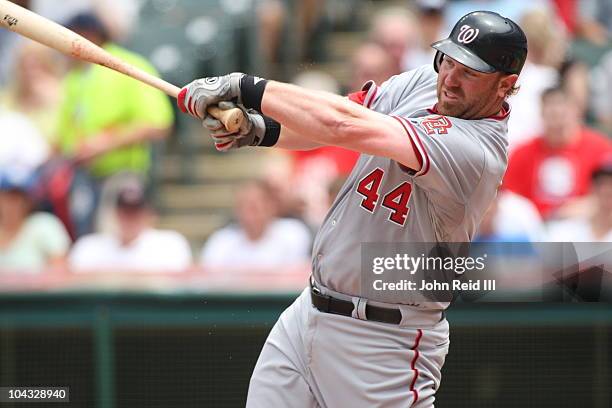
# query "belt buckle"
(318, 293)
(359, 308)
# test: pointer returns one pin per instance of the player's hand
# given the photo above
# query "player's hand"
(251, 131)
(197, 96)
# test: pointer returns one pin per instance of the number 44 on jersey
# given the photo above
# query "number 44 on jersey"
(396, 200)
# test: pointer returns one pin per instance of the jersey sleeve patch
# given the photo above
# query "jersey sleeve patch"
(437, 124)
(417, 147)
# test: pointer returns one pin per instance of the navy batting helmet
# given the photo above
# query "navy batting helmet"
(486, 42)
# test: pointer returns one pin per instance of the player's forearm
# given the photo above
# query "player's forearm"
(310, 115)
(291, 140)
(329, 119)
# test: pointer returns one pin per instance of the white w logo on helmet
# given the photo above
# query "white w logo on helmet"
(467, 34)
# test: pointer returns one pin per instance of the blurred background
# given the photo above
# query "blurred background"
(141, 267)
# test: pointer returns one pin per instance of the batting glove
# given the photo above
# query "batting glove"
(197, 96)
(251, 132)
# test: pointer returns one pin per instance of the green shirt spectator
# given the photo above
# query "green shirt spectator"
(106, 119)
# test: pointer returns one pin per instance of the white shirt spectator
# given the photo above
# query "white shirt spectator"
(574, 230)
(21, 144)
(517, 217)
(285, 242)
(153, 251)
(41, 238)
(601, 87)
(525, 120)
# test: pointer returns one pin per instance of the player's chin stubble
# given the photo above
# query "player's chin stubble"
(451, 108)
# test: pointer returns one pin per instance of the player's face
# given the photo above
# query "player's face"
(469, 94)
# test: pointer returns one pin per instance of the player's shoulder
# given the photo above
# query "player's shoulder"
(424, 73)
(399, 90)
(421, 76)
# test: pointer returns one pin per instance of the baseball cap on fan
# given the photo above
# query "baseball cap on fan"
(16, 178)
(431, 6)
(87, 22)
(132, 197)
(604, 169)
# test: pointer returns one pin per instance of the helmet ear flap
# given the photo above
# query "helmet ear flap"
(438, 60)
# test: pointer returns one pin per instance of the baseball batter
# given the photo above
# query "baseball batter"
(433, 144)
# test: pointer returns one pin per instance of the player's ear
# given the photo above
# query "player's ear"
(506, 83)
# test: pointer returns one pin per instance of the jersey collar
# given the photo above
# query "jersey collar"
(501, 115)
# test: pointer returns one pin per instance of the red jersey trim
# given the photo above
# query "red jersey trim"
(358, 97)
(413, 364)
(417, 146)
(366, 96)
(370, 96)
(503, 114)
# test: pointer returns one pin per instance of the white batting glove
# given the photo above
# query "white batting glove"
(198, 95)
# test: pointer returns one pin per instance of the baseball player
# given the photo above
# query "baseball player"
(433, 152)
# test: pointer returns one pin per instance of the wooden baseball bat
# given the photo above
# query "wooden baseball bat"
(51, 34)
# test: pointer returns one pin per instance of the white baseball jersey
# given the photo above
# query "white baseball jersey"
(462, 165)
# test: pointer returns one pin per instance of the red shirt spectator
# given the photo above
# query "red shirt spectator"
(555, 167)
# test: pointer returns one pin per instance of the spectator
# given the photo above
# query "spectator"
(546, 49)
(430, 19)
(395, 30)
(554, 168)
(259, 239)
(271, 16)
(370, 62)
(9, 44)
(601, 87)
(137, 246)
(35, 87)
(574, 75)
(107, 121)
(22, 145)
(300, 21)
(118, 16)
(595, 226)
(595, 21)
(511, 218)
(512, 9)
(567, 11)
(29, 241)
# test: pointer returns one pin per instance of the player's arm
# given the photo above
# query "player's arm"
(296, 118)
(292, 140)
(328, 119)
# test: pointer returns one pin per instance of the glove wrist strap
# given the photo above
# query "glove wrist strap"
(272, 132)
(251, 91)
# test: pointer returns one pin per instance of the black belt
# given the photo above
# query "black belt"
(328, 304)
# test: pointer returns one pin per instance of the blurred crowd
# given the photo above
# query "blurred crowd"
(76, 153)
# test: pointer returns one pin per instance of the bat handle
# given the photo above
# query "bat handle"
(232, 118)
